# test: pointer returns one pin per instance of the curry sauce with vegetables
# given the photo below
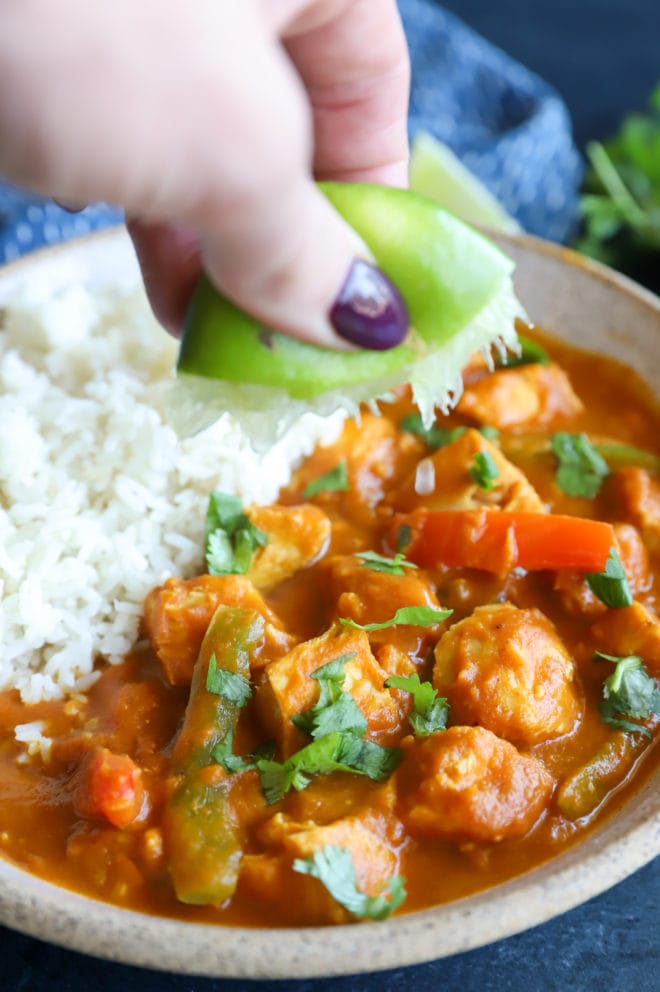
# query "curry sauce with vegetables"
(429, 667)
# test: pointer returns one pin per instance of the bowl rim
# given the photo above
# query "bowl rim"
(47, 911)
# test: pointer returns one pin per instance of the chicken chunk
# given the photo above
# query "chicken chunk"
(631, 630)
(267, 876)
(442, 481)
(637, 495)
(365, 595)
(576, 596)
(177, 614)
(465, 784)
(289, 689)
(297, 536)
(507, 670)
(374, 452)
(531, 394)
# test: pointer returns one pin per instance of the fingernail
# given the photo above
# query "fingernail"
(369, 310)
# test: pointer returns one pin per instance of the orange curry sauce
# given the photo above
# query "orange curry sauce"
(468, 807)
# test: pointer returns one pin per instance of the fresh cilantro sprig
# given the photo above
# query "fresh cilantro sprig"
(229, 536)
(340, 751)
(336, 480)
(379, 563)
(580, 469)
(621, 202)
(611, 585)
(223, 753)
(335, 710)
(484, 471)
(232, 686)
(430, 711)
(435, 437)
(628, 692)
(415, 616)
(333, 866)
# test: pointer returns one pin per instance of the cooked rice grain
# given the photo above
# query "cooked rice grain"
(99, 501)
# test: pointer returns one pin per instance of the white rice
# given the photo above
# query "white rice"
(99, 501)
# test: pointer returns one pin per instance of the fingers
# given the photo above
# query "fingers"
(192, 122)
(354, 63)
(169, 257)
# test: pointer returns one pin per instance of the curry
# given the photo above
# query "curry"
(428, 668)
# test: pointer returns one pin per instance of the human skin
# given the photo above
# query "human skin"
(208, 123)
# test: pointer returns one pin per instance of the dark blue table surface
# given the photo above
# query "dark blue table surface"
(603, 56)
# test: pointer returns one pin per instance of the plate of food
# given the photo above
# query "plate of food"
(380, 694)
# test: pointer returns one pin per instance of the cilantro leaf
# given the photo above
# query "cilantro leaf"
(229, 536)
(232, 686)
(611, 586)
(344, 714)
(484, 470)
(333, 866)
(338, 751)
(335, 709)
(416, 616)
(580, 469)
(223, 753)
(430, 712)
(629, 692)
(379, 563)
(435, 437)
(336, 480)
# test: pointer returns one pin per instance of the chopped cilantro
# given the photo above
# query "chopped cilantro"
(416, 616)
(430, 712)
(378, 563)
(338, 751)
(484, 470)
(223, 753)
(628, 692)
(335, 708)
(580, 469)
(336, 480)
(611, 586)
(232, 686)
(229, 536)
(435, 437)
(333, 866)
(490, 433)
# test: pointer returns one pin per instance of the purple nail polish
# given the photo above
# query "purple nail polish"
(369, 310)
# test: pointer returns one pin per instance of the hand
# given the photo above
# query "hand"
(207, 122)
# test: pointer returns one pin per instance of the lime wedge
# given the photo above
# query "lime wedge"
(436, 172)
(456, 285)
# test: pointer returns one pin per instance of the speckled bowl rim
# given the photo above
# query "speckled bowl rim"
(628, 840)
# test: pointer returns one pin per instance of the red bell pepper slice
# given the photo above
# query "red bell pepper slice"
(499, 540)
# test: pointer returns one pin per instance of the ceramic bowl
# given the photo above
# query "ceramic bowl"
(575, 299)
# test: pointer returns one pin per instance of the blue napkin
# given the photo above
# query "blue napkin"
(507, 125)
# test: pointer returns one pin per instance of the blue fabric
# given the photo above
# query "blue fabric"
(507, 125)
